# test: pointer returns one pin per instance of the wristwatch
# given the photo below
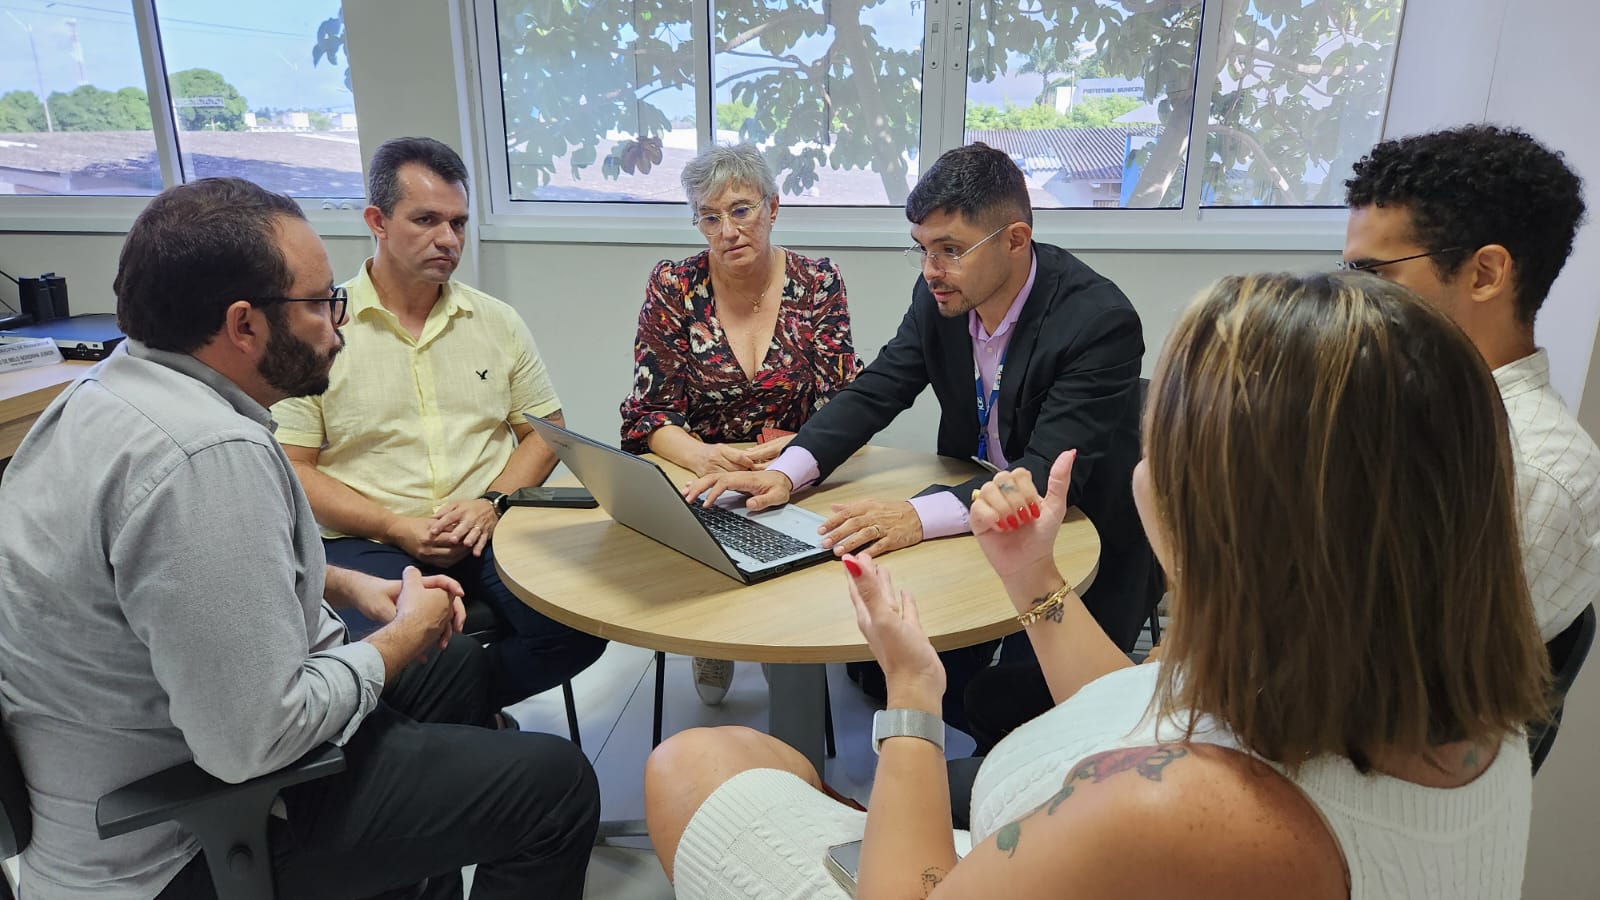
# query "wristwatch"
(502, 502)
(888, 723)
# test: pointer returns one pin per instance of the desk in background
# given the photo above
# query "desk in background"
(582, 569)
(25, 394)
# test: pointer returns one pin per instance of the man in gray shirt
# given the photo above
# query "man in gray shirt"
(162, 587)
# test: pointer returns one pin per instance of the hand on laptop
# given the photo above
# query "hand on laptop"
(873, 526)
(766, 489)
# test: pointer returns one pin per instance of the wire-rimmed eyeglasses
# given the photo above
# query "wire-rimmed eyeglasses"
(944, 261)
(742, 216)
(1367, 265)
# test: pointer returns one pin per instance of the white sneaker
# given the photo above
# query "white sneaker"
(711, 679)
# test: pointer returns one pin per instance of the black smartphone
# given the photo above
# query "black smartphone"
(559, 497)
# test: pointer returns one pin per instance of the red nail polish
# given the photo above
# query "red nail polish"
(853, 568)
(1034, 508)
(1012, 521)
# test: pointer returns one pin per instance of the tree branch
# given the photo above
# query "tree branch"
(1260, 152)
(751, 34)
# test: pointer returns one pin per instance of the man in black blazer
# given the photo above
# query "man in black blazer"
(1030, 353)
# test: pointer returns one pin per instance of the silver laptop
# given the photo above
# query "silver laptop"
(727, 537)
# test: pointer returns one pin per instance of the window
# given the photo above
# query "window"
(831, 90)
(597, 98)
(257, 90)
(1297, 99)
(1098, 101)
(74, 117)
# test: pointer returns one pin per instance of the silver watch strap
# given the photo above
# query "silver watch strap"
(888, 723)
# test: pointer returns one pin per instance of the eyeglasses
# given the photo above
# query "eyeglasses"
(742, 216)
(916, 257)
(1369, 265)
(336, 303)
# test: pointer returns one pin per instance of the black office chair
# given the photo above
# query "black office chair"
(485, 627)
(229, 820)
(1567, 652)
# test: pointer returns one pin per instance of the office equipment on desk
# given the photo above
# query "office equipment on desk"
(44, 298)
(92, 336)
(746, 546)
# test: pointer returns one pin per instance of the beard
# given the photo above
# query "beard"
(294, 367)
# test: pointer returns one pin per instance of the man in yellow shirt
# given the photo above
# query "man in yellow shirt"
(409, 455)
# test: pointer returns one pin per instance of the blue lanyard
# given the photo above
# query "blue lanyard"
(985, 408)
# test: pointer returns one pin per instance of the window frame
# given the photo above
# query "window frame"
(330, 216)
(1189, 227)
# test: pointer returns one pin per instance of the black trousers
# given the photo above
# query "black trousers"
(537, 655)
(422, 797)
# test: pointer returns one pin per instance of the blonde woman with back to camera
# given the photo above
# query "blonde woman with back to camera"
(1339, 709)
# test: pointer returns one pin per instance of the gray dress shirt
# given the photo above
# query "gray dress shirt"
(161, 582)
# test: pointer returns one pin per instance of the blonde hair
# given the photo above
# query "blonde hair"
(1332, 473)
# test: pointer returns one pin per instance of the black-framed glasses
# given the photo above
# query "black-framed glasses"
(917, 257)
(336, 303)
(742, 216)
(1369, 265)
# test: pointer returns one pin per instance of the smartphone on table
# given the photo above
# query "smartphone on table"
(558, 497)
(842, 862)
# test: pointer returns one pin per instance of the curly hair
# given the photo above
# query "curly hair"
(1477, 185)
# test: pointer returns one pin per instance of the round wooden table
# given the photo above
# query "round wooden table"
(579, 567)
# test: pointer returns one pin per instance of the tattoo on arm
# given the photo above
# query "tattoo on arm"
(931, 878)
(1147, 761)
(1006, 838)
(1055, 613)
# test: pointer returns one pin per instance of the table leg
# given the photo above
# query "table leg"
(795, 708)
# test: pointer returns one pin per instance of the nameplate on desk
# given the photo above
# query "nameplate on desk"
(29, 354)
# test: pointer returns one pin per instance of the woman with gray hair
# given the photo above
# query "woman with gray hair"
(740, 342)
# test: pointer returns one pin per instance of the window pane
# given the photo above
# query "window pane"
(261, 91)
(74, 117)
(1091, 99)
(599, 98)
(832, 91)
(1300, 97)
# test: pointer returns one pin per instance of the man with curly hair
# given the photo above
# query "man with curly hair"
(1479, 220)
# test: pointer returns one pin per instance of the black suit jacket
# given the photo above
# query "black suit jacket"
(1071, 380)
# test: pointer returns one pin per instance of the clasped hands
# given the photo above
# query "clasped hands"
(716, 458)
(445, 538)
(1015, 527)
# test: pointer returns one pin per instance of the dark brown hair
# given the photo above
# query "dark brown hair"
(195, 249)
(1333, 475)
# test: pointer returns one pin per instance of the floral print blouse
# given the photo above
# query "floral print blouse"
(685, 373)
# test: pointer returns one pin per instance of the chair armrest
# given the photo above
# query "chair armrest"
(165, 795)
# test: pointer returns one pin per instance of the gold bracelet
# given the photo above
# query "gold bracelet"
(1049, 607)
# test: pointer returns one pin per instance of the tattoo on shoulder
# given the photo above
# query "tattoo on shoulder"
(931, 878)
(1147, 761)
(1006, 838)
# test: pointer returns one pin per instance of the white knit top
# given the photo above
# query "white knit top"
(1399, 840)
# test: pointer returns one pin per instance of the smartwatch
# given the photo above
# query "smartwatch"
(501, 502)
(888, 723)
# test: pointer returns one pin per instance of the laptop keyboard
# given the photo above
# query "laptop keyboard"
(750, 538)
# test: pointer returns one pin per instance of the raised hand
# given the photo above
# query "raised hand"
(890, 622)
(1015, 526)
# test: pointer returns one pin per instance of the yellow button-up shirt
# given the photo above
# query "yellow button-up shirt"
(412, 423)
